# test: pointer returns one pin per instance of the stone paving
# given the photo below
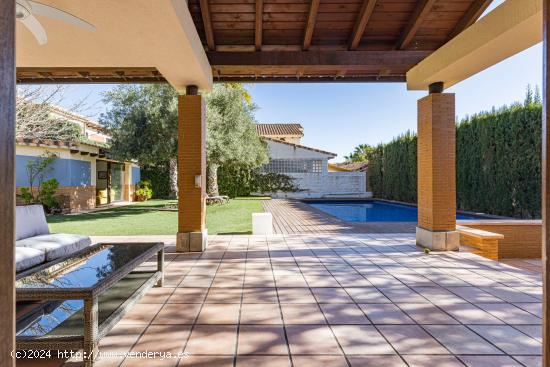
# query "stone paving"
(333, 300)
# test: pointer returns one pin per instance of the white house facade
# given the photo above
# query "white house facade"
(308, 167)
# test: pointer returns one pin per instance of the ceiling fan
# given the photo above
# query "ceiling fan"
(27, 9)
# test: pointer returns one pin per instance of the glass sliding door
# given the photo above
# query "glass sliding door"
(117, 181)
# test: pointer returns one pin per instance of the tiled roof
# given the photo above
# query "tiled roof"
(355, 166)
(301, 146)
(75, 117)
(280, 129)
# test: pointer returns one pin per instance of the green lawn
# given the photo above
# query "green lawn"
(149, 219)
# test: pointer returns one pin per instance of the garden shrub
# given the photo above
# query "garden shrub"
(159, 177)
(237, 180)
(498, 163)
(143, 191)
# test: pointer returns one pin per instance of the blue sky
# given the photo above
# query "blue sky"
(338, 116)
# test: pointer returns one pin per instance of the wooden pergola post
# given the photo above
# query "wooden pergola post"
(7, 181)
(192, 233)
(436, 171)
(545, 208)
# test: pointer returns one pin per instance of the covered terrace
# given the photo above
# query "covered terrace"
(429, 44)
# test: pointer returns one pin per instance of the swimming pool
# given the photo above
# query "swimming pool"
(373, 211)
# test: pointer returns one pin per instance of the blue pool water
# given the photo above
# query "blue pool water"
(372, 211)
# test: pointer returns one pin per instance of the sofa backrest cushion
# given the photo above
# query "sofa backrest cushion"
(30, 221)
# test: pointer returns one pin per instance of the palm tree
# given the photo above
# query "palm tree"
(361, 153)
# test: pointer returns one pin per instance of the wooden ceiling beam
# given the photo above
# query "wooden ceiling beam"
(207, 21)
(310, 25)
(258, 24)
(418, 16)
(474, 12)
(361, 23)
(303, 58)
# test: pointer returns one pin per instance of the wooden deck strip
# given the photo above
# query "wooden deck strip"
(296, 217)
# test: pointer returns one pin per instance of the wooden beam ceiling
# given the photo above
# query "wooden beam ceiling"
(419, 16)
(382, 59)
(310, 25)
(474, 12)
(258, 24)
(88, 75)
(361, 23)
(207, 21)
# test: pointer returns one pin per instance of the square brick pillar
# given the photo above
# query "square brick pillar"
(192, 233)
(437, 173)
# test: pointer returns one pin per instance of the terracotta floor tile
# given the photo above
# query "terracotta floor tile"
(212, 340)
(429, 360)
(367, 295)
(260, 313)
(426, 313)
(196, 281)
(534, 331)
(157, 295)
(219, 313)
(319, 360)
(177, 313)
(530, 361)
(141, 314)
(458, 339)
(262, 339)
(331, 295)
(224, 295)
(188, 295)
(251, 281)
(260, 295)
(344, 314)
(489, 361)
(377, 361)
(508, 339)
(402, 294)
(385, 313)
(467, 313)
(300, 339)
(121, 338)
(263, 361)
(361, 339)
(163, 338)
(510, 314)
(231, 281)
(532, 308)
(295, 295)
(308, 313)
(474, 295)
(291, 281)
(411, 339)
(206, 361)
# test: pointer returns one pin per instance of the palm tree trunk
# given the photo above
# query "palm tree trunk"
(212, 180)
(173, 178)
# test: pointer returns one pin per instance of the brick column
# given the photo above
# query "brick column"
(437, 173)
(192, 234)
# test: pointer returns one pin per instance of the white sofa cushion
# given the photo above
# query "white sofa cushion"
(56, 245)
(30, 221)
(26, 257)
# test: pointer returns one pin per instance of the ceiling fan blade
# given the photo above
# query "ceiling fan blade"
(36, 29)
(51, 12)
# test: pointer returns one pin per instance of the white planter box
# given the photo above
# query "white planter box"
(262, 223)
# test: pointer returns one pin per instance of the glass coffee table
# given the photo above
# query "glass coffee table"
(71, 303)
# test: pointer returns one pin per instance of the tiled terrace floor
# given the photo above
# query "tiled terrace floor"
(346, 300)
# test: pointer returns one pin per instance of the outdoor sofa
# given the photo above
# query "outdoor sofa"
(35, 244)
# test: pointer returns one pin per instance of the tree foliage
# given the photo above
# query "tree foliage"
(498, 162)
(361, 153)
(231, 136)
(143, 123)
(34, 118)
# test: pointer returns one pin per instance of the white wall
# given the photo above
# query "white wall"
(284, 151)
(328, 185)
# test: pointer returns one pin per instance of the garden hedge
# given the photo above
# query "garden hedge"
(498, 163)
